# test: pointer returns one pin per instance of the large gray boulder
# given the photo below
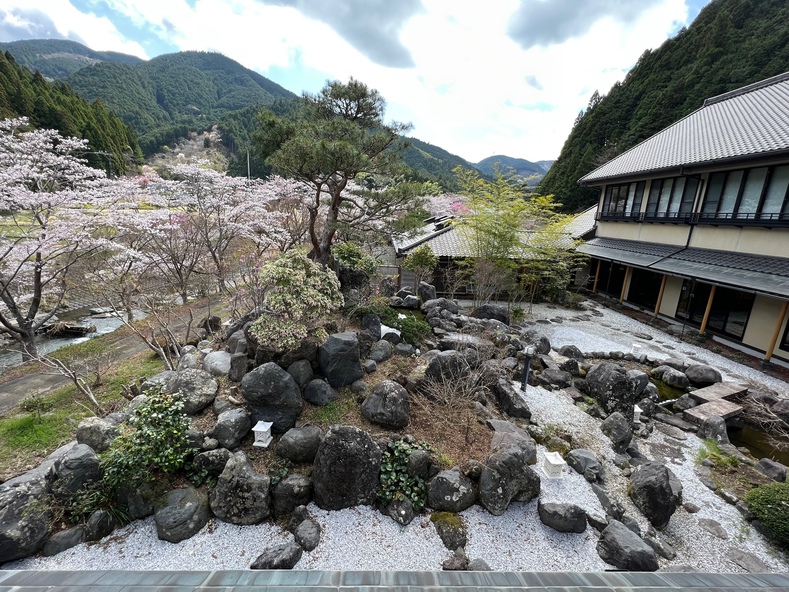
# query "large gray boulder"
(161, 381)
(555, 377)
(346, 468)
(370, 333)
(73, 471)
(671, 376)
(197, 389)
(307, 534)
(387, 405)
(586, 463)
(273, 396)
(231, 427)
(562, 517)
(213, 462)
(506, 433)
(510, 400)
(448, 366)
(714, 428)
(217, 363)
(300, 445)
(505, 477)
(241, 495)
(618, 430)
(24, 520)
(293, 491)
(284, 556)
(492, 311)
(622, 548)
(701, 375)
(64, 540)
(381, 351)
(652, 492)
(441, 304)
(339, 359)
(96, 432)
(426, 292)
(319, 392)
(615, 391)
(301, 371)
(450, 491)
(182, 515)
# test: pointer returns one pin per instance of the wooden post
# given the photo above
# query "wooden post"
(703, 327)
(628, 269)
(660, 296)
(777, 331)
(597, 276)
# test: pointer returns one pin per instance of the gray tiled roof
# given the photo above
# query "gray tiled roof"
(751, 121)
(386, 581)
(447, 238)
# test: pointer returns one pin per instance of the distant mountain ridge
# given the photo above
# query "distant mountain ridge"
(57, 58)
(172, 94)
(530, 172)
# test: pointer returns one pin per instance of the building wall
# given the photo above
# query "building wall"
(670, 234)
(761, 323)
(668, 306)
(772, 242)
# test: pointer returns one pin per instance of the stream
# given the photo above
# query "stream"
(11, 354)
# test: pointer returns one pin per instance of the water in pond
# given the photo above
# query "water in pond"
(667, 392)
(11, 356)
(759, 444)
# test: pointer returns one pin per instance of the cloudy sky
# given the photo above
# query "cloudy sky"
(475, 77)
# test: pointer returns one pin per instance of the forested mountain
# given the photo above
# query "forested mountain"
(530, 172)
(173, 93)
(731, 43)
(57, 58)
(432, 163)
(57, 106)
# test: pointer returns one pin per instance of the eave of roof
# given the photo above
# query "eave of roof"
(753, 273)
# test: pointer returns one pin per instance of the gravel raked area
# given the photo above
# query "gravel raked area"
(363, 539)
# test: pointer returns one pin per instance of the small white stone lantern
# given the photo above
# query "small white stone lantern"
(637, 411)
(552, 465)
(262, 431)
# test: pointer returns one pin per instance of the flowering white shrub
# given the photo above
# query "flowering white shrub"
(299, 295)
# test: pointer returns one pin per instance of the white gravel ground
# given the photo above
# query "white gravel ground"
(363, 539)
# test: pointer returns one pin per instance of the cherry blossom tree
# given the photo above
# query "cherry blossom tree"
(48, 214)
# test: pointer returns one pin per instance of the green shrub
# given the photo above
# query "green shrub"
(396, 483)
(770, 504)
(412, 329)
(156, 440)
(350, 254)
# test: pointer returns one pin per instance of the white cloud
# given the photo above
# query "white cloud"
(98, 33)
(472, 88)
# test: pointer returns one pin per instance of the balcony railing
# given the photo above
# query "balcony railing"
(703, 218)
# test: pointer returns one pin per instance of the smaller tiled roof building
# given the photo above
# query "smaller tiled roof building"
(693, 223)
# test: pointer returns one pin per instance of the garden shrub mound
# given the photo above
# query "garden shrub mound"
(770, 504)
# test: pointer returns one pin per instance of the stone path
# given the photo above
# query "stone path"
(714, 401)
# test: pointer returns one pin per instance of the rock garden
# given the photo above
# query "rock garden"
(425, 433)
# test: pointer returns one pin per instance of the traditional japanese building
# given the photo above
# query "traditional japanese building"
(693, 223)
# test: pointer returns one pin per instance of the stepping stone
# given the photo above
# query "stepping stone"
(720, 390)
(721, 407)
(676, 421)
(671, 431)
